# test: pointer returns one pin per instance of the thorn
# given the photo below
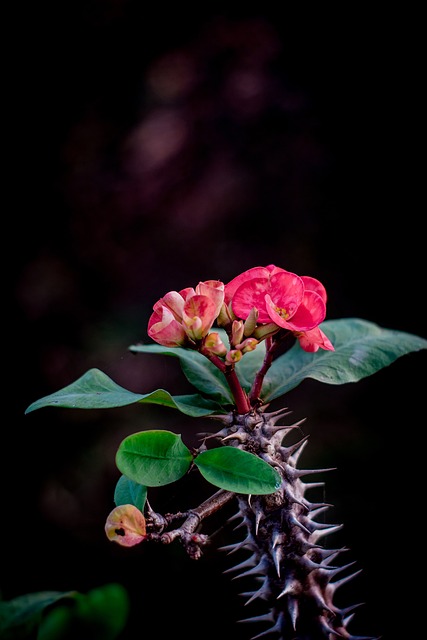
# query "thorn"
(274, 416)
(258, 569)
(363, 638)
(234, 517)
(333, 571)
(288, 451)
(293, 520)
(317, 508)
(323, 530)
(293, 610)
(348, 619)
(277, 554)
(249, 562)
(275, 628)
(299, 473)
(276, 538)
(293, 588)
(329, 629)
(347, 610)
(263, 592)
(242, 437)
(258, 517)
(339, 583)
(312, 485)
(265, 617)
(247, 543)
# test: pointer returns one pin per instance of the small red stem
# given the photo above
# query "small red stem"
(240, 397)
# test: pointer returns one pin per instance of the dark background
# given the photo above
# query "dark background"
(151, 149)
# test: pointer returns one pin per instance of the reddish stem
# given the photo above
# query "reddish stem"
(240, 397)
(242, 401)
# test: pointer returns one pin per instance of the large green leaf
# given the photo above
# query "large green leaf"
(361, 349)
(238, 471)
(198, 370)
(95, 390)
(129, 492)
(153, 458)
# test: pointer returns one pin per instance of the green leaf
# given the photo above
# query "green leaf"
(18, 617)
(198, 370)
(129, 492)
(361, 349)
(95, 390)
(238, 471)
(153, 458)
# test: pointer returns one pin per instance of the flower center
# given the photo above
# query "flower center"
(282, 312)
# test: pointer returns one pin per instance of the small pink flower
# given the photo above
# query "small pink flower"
(186, 316)
(165, 329)
(313, 340)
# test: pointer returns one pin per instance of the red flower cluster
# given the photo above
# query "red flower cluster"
(257, 303)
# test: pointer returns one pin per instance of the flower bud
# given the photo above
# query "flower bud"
(225, 316)
(236, 332)
(213, 345)
(247, 345)
(233, 356)
(264, 331)
(250, 322)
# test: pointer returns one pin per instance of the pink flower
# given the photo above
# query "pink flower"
(282, 297)
(295, 303)
(186, 316)
(313, 339)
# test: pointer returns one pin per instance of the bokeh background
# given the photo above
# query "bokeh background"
(151, 148)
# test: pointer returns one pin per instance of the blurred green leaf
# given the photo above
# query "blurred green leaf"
(20, 616)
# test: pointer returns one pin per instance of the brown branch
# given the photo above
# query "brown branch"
(186, 533)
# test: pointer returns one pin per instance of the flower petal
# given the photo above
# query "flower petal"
(313, 339)
(126, 525)
(233, 285)
(165, 330)
(311, 284)
(214, 290)
(199, 315)
(310, 313)
(250, 294)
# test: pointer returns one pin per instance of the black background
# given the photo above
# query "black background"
(148, 149)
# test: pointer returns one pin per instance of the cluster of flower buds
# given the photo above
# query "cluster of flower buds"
(254, 306)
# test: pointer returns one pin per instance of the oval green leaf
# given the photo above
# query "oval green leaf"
(361, 349)
(95, 390)
(238, 471)
(129, 492)
(153, 458)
